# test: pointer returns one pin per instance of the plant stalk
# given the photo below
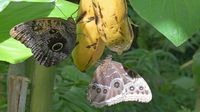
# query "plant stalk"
(42, 89)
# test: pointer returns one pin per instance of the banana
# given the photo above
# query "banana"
(112, 24)
(89, 46)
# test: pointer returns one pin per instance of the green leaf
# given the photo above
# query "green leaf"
(3, 4)
(196, 67)
(13, 51)
(184, 82)
(16, 12)
(77, 97)
(176, 19)
(72, 73)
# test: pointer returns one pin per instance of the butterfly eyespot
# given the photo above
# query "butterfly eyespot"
(52, 31)
(98, 90)
(141, 87)
(116, 84)
(57, 46)
(93, 87)
(131, 88)
(105, 91)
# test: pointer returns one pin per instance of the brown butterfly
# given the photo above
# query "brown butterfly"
(50, 39)
(112, 83)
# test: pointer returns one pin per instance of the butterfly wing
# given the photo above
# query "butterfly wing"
(107, 85)
(50, 39)
(136, 88)
(112, 84)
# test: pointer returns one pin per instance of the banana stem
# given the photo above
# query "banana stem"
(42, 89)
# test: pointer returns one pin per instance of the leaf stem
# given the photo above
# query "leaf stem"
(42, 89)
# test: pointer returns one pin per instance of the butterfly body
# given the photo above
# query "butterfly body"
(112, 83)
(50, 39)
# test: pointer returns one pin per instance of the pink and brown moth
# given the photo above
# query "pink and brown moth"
(112, 83)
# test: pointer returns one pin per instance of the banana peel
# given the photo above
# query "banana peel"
(113, 24)
(89, 46)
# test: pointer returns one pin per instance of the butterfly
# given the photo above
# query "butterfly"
(50, 39)
(112, 83)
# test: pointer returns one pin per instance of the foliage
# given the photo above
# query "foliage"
(14, 51)
(3, 95)
(196, 67)
(156, 59)
(159, 68)
(174, 19)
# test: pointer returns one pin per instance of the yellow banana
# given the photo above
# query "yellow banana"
(89, 46)
(112, 24)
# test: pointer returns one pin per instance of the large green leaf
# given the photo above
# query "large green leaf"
(176, 19)
(196, 67)
(13, 51)
(3, 4)
(16, 12)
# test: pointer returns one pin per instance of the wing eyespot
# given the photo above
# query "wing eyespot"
(93, 87)
(116, 84)
(105, 91)
(57, 46)
(131, 88)
(98, 90)
(141, 87)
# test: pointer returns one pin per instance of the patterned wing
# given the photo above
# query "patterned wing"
(106, 86)
(112, 83)
(136, 88)
(50, 39)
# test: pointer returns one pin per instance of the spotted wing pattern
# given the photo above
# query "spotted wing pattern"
(112, 83)
(50, 39)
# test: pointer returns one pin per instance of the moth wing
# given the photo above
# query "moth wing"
(44, 37)
(137, 90)
(107, 85)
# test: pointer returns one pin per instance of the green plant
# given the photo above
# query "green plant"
(167, 68)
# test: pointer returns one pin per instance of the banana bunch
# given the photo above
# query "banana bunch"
(101, 23)
(89, 46)
(112, 24)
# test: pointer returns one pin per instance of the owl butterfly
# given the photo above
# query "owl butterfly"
(112, 83)
(50, 39)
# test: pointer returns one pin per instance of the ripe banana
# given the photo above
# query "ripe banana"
(112, 24)
(89, 46)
